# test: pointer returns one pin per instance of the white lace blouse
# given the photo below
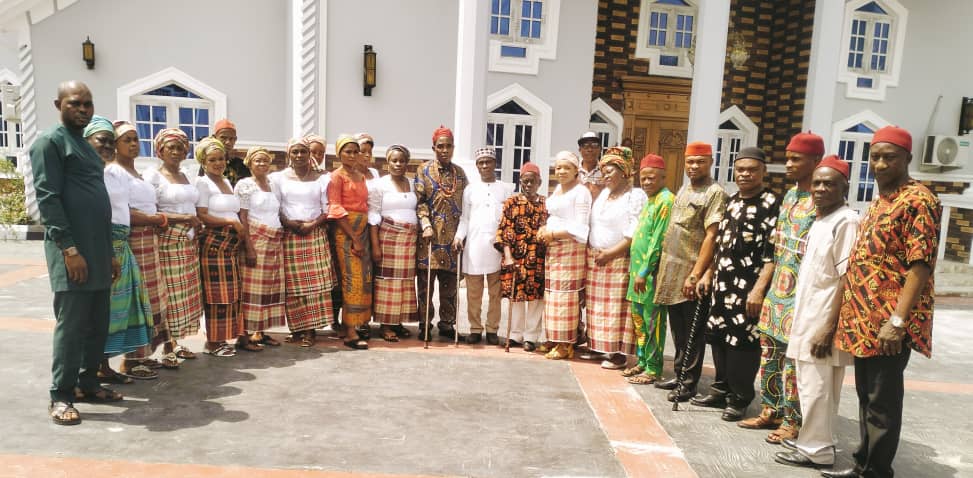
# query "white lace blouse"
(615, 219)
(262, 206)
(570, 211)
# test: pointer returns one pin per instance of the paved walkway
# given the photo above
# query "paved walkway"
(400, 411)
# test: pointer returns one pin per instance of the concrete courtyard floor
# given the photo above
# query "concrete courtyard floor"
(400, 411)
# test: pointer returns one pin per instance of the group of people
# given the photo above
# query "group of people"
(791, 287)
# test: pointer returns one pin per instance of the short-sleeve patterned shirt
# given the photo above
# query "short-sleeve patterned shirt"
(790, 241)
(899, 229)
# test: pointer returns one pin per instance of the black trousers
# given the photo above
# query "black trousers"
(880, 385)
(79, 341)
(736, 370)
(447, 297)
(681, 325)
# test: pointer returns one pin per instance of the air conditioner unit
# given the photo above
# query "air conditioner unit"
(946, 151)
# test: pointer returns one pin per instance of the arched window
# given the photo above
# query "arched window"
(11, 134)
(853, 136)
(519, 128)
(736, 131)
(606, 122)
(873, 37)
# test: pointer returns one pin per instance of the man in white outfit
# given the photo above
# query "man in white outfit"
(482, 209)
(820, 368)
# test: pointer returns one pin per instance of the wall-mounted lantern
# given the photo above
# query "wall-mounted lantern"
(371, 61)
(88, 53)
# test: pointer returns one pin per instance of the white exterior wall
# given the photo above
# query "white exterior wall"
(935, 61)
(136, 38)
(8, 52)
(415, 42)
(563, 83)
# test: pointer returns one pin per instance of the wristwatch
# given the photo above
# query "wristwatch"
(896, 321)
(71, 251)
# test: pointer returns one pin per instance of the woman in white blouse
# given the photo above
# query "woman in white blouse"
(178, 254)
(566, 235)
(219, 251)
(394, 231)
(614, 218)
(262, 300)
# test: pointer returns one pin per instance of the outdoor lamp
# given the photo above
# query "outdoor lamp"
(371, 59)
(88, 53)
(966, 116)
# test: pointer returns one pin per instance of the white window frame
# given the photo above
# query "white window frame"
(14, 130)
(613, 126)
(541, 114)
(897, 18)
(510, 123)
(544, 47)
(747, 134)
(654, 53)
(838, 134)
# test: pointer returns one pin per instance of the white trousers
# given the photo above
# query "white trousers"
(526, 321)
(819, 388)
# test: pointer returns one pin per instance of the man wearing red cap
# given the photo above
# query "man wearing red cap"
(820, 371)
(225, 131)
(686, 254)
(778, 379)
(887, 301)
(439, 187)
(649, 320)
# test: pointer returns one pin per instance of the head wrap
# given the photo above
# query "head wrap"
(364, 138)
(889, 134)
(624, 151)
(618, 161)
(652, 161)
(206, 145)
(122, 127)
(806, 143)
(223, 124)
(699, 148)
(313, 138)
(398, 147)
(529, 168)
(569, 157)
(343, 140)
(484, 152)
(835, 163)
(167, 135)
(98, 124)
(441, 131)
(589, 136)
(752, 152)
(255, 151)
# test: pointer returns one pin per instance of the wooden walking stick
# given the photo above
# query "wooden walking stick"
(688, 352)
(425, 331)
(510, 305)
(459, 275)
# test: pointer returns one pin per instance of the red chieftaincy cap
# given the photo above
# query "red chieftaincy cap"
(652, 161)
(223, 124)
(835, 163)
(894, 135)
(530, 168)
(806, 143)
(699, 148)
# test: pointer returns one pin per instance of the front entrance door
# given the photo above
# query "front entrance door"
(656, 119)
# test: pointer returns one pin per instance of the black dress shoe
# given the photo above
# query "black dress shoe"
(680, 395)
(473, 339)
(796, 458)
(492, 339)
(733, 414)
(447, 332)
(712, 400)
(529, 346)
(670, 384)
(846, 473)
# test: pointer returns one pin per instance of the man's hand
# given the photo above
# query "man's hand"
(116, 269)
(821, 344)
(457, 244)
(890, 339)
(78, 268)
(639, 284)
(427, 233)
(507, 260)
(755, 302)
(689, 289)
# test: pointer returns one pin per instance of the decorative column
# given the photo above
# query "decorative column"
(704, 104)
(28, 113)
(822, 72)
(306, 80)
(469, 118)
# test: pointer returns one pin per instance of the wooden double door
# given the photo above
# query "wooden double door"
(656, 112)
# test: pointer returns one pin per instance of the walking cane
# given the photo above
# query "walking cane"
(510, 305)
(459, 275)
(425, 331)
(687, 352)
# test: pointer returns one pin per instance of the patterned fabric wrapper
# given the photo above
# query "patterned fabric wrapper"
(355, 272)
(395, 288)
(145, 248)
(308, 280)
(180, 270)
(609, 326)
(262, 301)
(130, 316)
(219, 249)
(564, 279)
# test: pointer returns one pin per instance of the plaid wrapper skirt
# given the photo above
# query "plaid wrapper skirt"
(395, 284)
(145, 248)
(262, 301)
(308, 280)
(130, 315)
(180, 270)
(219, 252)
(564, 275)
(610, 327)
(355, 274)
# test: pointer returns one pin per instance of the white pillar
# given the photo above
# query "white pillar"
(704, 104)
(308, 28)
(469, 117)
(822, 73)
